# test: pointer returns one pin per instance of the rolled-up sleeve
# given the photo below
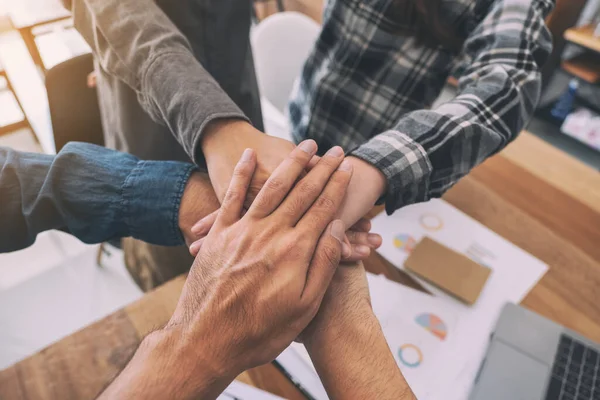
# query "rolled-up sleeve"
(427, 151)
(136, 42)
(94, 193)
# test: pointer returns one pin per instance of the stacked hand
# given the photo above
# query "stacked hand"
(256, 284)
(223, 144)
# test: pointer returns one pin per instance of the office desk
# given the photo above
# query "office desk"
(532, 194)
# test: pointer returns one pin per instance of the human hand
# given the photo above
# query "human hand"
(367, 185)
(346, 303)
(347, 346)
(357, 246)
(198, 201)
(223, 144)
(256, 284)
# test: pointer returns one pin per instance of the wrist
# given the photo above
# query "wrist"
(352, 321)
(370, 175)
(169, 362)
(221, 132)
(342, 336)
(198, 201)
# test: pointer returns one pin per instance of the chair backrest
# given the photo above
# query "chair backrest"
(281, 44)
(74, 109)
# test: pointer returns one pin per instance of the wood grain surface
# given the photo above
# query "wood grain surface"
(551, 211)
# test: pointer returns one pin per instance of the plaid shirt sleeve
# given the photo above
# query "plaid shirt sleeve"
(427, 151)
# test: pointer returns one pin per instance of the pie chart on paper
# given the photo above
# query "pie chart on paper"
(433, 324)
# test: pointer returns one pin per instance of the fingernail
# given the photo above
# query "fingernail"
(346, 250)
(194, 247)
(345, 166)
(199, 228)
(309, 146)
(362, 249)
(338, 230)
(247, 155)
(374, 239)
(336, 151)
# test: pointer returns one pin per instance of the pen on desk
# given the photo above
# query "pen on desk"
(293, 380)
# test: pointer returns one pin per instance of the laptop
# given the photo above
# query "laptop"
(533, 358)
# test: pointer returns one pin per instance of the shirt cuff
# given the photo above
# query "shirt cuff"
(176, 89)
(151, 197)
(404, 163)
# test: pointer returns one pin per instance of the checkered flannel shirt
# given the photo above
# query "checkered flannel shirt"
(370, 89)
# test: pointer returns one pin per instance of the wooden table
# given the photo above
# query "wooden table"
(26, 15)
(532, 194)
(584, 37)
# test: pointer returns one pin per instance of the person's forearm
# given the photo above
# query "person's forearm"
(136, 42)
(165, 367)
(97, 194)
(353, 360)
(366, 187)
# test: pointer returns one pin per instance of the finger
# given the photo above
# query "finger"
(363, 225)
(282, 179)
(202, 227)
(323, 210)
(358, 253)
(346, 248)
(233, 203)
(196, 246)
(372, 240)
(309, 188)
(324, 262)
(313, 161)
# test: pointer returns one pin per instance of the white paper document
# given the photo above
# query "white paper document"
(514, 274)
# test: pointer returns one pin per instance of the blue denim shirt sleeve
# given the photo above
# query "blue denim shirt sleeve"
(92, 192)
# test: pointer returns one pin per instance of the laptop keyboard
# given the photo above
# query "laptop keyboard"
(575, 374)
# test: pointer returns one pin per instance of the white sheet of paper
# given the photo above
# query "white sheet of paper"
(514, 274)
(240, 391)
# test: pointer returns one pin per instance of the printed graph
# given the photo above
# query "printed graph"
(433, 324)
(404, 241)
(410, 355)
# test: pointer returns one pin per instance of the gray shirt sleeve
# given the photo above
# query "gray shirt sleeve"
(136, 42)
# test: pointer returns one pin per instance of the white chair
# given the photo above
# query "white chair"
(281, 43)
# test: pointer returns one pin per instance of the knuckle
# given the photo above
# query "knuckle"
(293, 207)
(326, 203)
(274, 185)
(262, 201)
(232, 195)
(309, 188)
(242, 170)
(299, 157)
